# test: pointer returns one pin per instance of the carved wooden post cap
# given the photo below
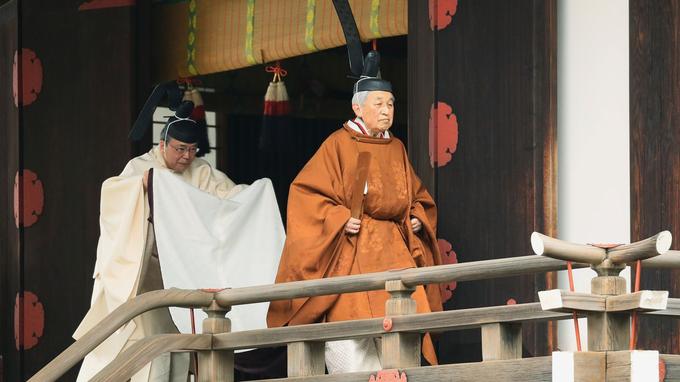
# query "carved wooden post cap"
(397, 286)
(643, 249)
(562, 250)
(602, 257)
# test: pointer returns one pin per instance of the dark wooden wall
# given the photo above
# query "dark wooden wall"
(9, 160)
(489, 152)
(655, 148)
(73, 135)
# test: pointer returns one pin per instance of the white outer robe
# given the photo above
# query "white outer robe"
(124, 212)
(231, 243)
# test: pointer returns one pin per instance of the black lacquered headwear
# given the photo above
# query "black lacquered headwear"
(180, 126)
(367, 71)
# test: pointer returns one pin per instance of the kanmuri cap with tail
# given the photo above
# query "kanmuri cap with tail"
(368, 70)
(180, 126)
(185, 127)
(169, 90)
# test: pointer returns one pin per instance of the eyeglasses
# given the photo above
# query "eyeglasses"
(185, 149)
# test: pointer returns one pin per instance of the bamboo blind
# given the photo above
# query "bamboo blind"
(207, 36)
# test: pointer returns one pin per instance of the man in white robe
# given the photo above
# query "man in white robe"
(127, 261)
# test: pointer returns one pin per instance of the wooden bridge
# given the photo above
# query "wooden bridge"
(609, 310)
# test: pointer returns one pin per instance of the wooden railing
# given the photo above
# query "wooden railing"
(400, 330)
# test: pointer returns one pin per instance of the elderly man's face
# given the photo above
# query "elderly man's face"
(377, 111)
(177, 154)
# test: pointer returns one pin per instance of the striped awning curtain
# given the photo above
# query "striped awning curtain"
(207, 36)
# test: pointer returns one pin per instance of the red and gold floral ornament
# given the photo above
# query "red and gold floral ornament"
(441, 13)
(28, 329)
(448, 257)
(443, 134)
(32, 197)
(32, 77)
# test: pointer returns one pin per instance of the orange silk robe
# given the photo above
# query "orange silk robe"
(317, 246)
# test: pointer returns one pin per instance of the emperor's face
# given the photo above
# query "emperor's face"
(377, 111)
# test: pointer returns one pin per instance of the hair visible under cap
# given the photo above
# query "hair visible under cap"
(180, 126)
(164, 136)
(359, 98)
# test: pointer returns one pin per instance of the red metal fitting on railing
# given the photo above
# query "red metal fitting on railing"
(391, 375)
(213, 290)
(387, 324)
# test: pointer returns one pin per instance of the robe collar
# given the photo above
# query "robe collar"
(158, 157)
(358, 125)
(156, 153)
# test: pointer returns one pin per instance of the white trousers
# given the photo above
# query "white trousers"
(353, 355)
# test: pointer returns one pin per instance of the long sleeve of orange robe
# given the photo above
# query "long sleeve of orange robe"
(317, 246)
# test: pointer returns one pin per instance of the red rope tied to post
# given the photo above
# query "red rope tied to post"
(188, 81)
(634, 323)
(193, 331)
(570, 272)
(278, 71)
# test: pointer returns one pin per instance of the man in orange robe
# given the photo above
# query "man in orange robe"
(395, 228)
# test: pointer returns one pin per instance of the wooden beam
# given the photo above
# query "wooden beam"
(474, 270)
(672, 309)
(558, 300)
(670, 259)
(558, 249)
(669, 367)
(537, 369)
(501, 341)
(420, 323)
(124, 313)
(306, 359)
(633, 366)
(578, 366)
(646, 300)
(640, 250)
(130, 361)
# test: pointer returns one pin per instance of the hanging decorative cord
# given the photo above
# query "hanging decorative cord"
(189, 82)
(278, 71)
(634, 323)
(570, 272)
(375, 44)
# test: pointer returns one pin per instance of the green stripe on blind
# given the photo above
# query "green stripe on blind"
(310, 15)
(250, 27)
(191, 43)
(375, 18)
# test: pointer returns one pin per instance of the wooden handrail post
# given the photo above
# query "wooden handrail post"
(501, 341)
(216, 365)
(608, 331)
(400, 350)
(306, 359)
